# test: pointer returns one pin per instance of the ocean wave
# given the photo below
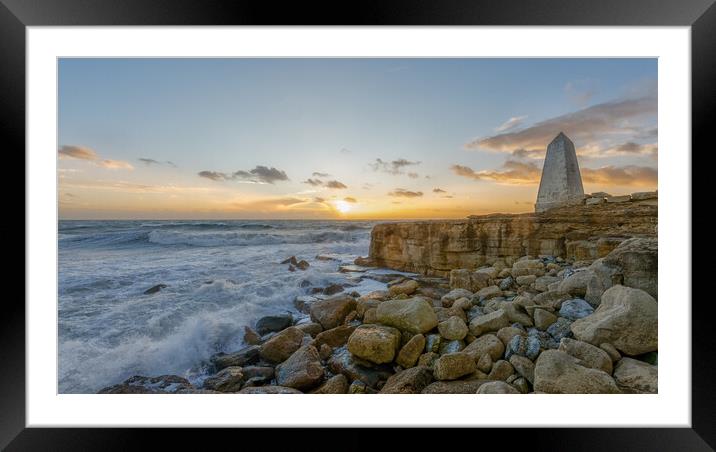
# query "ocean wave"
(169, 237)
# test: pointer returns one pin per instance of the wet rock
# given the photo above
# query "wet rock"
(343, 362)
(410, 352)
(264, 373)
(496, 387)
(273, 323)
(638, 377)
(291, 260)
(575, 309)
(282, 345)
(626, 318)
(138, 384)
(302, 265)
(375, 343)
(311, 328)
(331, 312)
(452, 366)
(409, 381)
(302, 370)
(414, 315)
(451, 346)
(484, 364)
(406, 287)
(335, 337)
(453, 328)
(303, 303)
(587, 354)
(325, 351)
(251, 337)
(245, 356)
(370, 316)
(338, 384)
(228, 379)
(154, 289)
(558, 373)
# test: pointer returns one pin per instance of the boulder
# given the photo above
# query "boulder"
(576, 284)
(269, 390)
(449, 298)
(406, 287)
(489, 322)
(543, 319)
(524, 366)
(228, 379)
(163, 384)
(454, 387)
(469, 280)
(587, 354)
(311, 328)
(302, 370)
(551, 299)
(428, 359)
(558, 373)
(273, 323)
(559, 329)
(409, 381)
(375, 343)
(489, 343)
(496, 387)
(414, 315)
(636, 260)
(452, 366)
(335, 337)
(501, 370)
(611, 351)
(488, 293)
(432, 343)
(637, 377)
(517, 313)
(575, 309)
(337, 384)
(246, 355)
(527, 346)
(282, 345)
(507, 333)
(251, 337)
(484, 364)
(525, 280)
(411, 351)
(627, 318)
(451, 346)
(344, 362)
(332, 311)
(543, 282)
(453, 328)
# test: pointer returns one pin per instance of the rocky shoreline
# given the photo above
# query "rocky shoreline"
(518, 325)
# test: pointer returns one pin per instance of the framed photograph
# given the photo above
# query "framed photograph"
(429, 217)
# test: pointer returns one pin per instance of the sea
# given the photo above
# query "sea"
(219, 277)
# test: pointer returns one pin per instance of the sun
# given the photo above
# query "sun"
(343, 206)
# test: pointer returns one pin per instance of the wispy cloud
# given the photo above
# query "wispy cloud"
(438, 190)
(511, 123)
(393, 167)
(148, 162)
(85, 153)
(513, 173)
(413, 175)
(350, 199)
(313, 182)
(317, 174)
(403, 193)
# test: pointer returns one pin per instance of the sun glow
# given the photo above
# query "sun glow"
(343, 206)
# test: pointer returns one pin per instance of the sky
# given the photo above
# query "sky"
(388, 138)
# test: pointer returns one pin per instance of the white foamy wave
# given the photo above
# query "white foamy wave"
(233, 238)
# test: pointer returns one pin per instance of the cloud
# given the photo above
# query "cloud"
(598, 123)
(528, 173)
(335, 184)
(634, 176)
(402, 193)
(213, 175)
(512, 173)
(394, 167)
(258, 175)
(85, 153)
(413, 175)
(345, 151)
(511, 123)
(148, 162)
(77, 152)
(350, 199)
(130, 187)
(114, 164)
(262, 174)
(313, 182)
(438, 190)
(319, 200)
(317, 174)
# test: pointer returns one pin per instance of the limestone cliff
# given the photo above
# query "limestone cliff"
(579, 232)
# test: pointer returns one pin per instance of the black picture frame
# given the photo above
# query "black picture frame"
(16, 15)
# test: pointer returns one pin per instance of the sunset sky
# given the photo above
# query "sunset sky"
(343, 138)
